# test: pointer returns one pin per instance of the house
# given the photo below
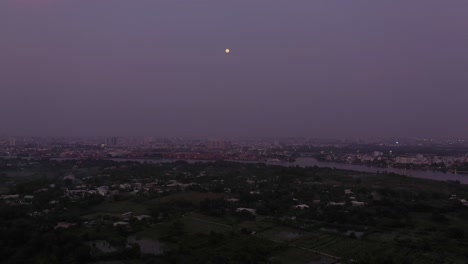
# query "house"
(337, 204)
(64, 225)
(127, 215)
(356, 203)
(250, 210)
(10, 197)
(464, 202)
(121, 223)
(103, 190)
(232, 200)
(141, 217)
(125, 186)
(69, 177)
(28, 199)
(301, 206)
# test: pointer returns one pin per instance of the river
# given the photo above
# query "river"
(423, 174)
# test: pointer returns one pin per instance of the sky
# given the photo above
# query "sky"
(301, 68)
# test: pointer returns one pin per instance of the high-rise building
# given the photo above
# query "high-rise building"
(12, 141)
(219, 145)
(111, 141)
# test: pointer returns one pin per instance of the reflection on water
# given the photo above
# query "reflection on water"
(147, 246)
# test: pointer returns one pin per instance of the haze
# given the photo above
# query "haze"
(296, 68)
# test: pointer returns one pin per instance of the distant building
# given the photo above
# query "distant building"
(407, 160)
(111, 141)
(219, 145)
(12, 141)
(377, 153)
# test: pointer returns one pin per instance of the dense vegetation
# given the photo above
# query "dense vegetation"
(297, 215)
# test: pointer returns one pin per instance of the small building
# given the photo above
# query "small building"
(142, 217)
(250, 210)
(64, 225)
(121, 223)
(464, 202)
(127, 215)
(337, 204)
(103, 190)
(356, 203)
(10, 197)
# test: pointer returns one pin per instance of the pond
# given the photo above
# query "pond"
(102, 245)
(147, 246)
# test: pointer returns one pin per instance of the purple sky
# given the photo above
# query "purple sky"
(296, 68)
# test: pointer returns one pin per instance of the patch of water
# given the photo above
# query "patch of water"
(147, 246)
(102, 245)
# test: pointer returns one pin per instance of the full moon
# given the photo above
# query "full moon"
(227, 51)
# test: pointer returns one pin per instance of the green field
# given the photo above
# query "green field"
(192, 223)
(20, 175)
(283, 234)
(118, 208)
(193, 197)
(195, 226)
(300, 256)
(4, 189)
